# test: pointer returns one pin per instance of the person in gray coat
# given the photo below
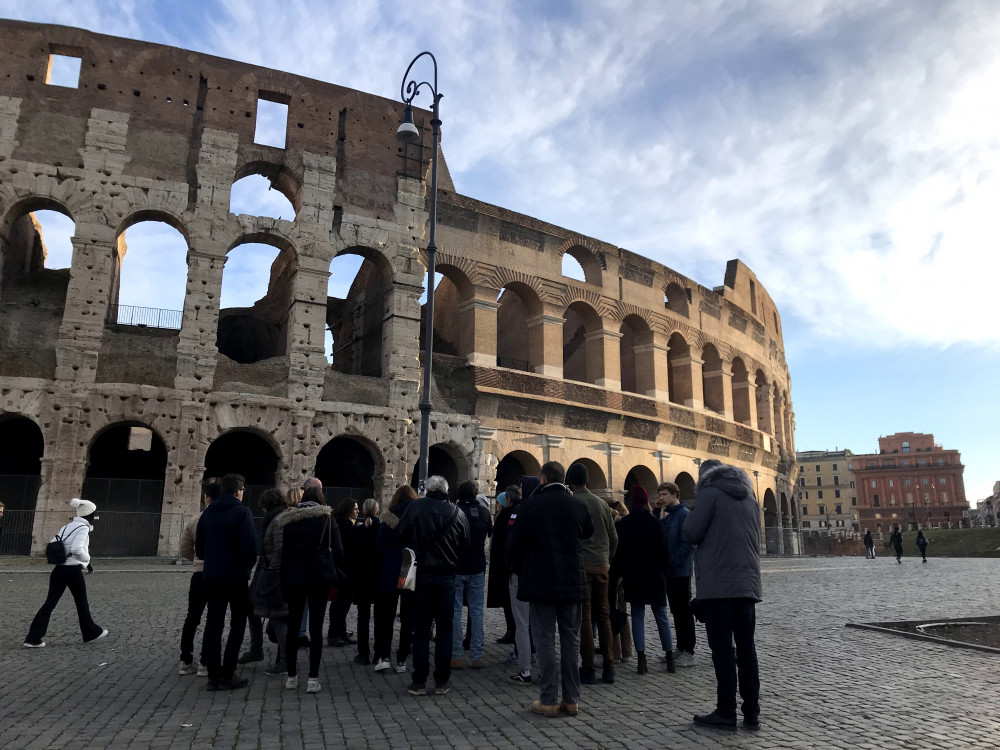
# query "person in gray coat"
(725, 526)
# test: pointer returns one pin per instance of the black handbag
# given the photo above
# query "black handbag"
(325, 569)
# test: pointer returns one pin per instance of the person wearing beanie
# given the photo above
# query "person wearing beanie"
(641, 562)
(75, 537)
(725, 526)
(597, 554)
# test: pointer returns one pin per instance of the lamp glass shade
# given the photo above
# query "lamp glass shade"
(407, 132)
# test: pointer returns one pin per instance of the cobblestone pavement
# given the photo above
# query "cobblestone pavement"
(823, 685)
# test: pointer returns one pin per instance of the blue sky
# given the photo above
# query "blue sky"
(848, 151)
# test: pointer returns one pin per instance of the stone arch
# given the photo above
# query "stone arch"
(597, 479)
(578, 361)
(589, 261)
(636, 355)
(513, 466)
(519, 344)
(643, 476)
(680, 384)
(355, 322)
(349, 466)
(687, 487)
(741, 392)
(137, 294)
(279, 177)
(450, 319)
(250, 452)
(675, 299)
(447, 460)
(711, 379)
(22, 447)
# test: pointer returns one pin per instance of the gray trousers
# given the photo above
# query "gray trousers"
(545, 618)
(522, 636)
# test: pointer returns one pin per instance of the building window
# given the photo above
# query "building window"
(806, 524)
(802, 481)
(854, 501)
(874, 483)
(63, 70)
(840, 522)
(924, 481)
(906, 463)
(922, 462)
(807, 496)
(819, 481)
(875, 502)
(819, 495)
(817, 467)
(852, 484)
(942, 480)
(850, 466)
(906, 482)
(836, 493)
(944, 497)
(836, 479)
(840, 509)
(892, 482)
(805, 510)
(940, 462)
(906, 446)
(822, 510)
(872, 464)
(835, 467)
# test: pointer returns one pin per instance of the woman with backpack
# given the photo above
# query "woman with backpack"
(72, 547)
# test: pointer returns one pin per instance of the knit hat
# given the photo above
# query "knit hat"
(502, 499)
(637, 495)
(83, 507)
(577, 475)
(529, 485)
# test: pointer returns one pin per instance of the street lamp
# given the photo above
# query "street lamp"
(408, 133)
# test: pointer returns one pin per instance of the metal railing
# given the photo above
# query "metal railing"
(115, 534)
(145, 317)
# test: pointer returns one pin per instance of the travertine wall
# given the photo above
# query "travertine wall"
(665, 371)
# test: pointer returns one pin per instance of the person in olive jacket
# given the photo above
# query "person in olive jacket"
(725, 526)
(545, 550)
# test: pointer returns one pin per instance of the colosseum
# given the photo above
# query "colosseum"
(637, 371)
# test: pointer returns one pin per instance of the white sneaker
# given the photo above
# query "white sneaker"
(381, 665)
(34, 645)
(400, 666)
(313, 685)
(104, 634)
(186, 667)
(291, 683)
(202, 670)
(684, 659)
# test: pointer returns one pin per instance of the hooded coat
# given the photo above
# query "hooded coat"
(725, 526)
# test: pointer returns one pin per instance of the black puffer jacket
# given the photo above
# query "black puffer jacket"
(437, 531)
(306, 530)
(544, 546)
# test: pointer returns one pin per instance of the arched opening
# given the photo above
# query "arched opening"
(516, 347)
(741, 392)
(679, 386)
(763, 402)
(636, 354)
(581, 264)
(443, 460)
(772, 543)
(256, 195)
(126, 466)
(596, 480)
(21, 449)
(246, 453)
(579, 362)
(346, 468)
(686, 484)
(35, 255)
(453, 334)
(150, 277)
(711, 379)
(254, 303)
(515, 465)
(355, 310)
(644, 477)
(675, 299)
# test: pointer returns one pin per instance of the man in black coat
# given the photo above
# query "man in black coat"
(227, 541)
(545, 550)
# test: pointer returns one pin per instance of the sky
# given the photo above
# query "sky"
(848, 151)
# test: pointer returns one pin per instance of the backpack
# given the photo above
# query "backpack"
(55, 551)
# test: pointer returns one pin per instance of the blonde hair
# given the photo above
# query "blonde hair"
(370, 509)
(293, 497)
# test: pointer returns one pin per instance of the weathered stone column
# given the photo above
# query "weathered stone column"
(651, 376)
(722, 381)
(479, 328)
(686, 374)
(196, 351)
(764, 409)
(306, 326)
(604, 365)
(545, 344)
(746, 394)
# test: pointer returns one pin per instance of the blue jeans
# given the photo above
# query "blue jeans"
(473, 588)
(433, 601)
(662, 624)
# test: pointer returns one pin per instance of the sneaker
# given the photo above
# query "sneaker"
(521, 678)
(381, 665)
(291, 683)
(457, 664)
(276, 670)
(313, 685)
(362, 659)
(540, 708)
(684, 659)
(442, 689)
(202, 670)
(251, 656)
(415, 689)
(185, 667)
(34, 645)
(400, 667)
(104, 634)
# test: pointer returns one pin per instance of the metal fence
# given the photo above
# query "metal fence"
(145, 317)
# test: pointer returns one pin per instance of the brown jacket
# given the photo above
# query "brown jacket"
(187, 544)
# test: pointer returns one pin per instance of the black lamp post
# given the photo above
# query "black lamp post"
(408, 133)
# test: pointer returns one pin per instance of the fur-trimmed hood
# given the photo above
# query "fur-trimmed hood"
(300, 514)
(729, 479)
(389, 518)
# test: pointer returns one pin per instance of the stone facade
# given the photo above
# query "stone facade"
(826, 492)
(638, 371)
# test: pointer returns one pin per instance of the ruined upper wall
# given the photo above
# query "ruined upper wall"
(171, 95)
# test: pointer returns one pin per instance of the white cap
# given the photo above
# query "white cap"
(83, 507)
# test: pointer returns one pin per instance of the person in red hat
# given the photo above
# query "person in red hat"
(641, 561)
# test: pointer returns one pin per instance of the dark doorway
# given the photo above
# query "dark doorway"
(515, 465)
(685, 483)
(21, 449)
(644, 477)
(439, 462)
(246, 453)
(346, 469)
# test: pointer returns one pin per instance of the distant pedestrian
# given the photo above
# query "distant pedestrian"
(545, 547)
(470, 575)
(896, 540)
(725, 526)
(227, 541)
(75, 538)
(922, 544)
(197, 598)
(869, 545)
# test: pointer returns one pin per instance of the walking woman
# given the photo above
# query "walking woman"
(265, 591)
(75, 538)
(922, 545)
(305, 531)
(641, 561)
(367, 574)
(389, 554)
(345, 516)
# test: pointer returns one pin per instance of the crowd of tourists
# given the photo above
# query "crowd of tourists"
(564, 565)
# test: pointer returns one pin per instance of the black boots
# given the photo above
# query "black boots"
(588, 676)
(642, 668)
(608, 675)
(671, 664)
